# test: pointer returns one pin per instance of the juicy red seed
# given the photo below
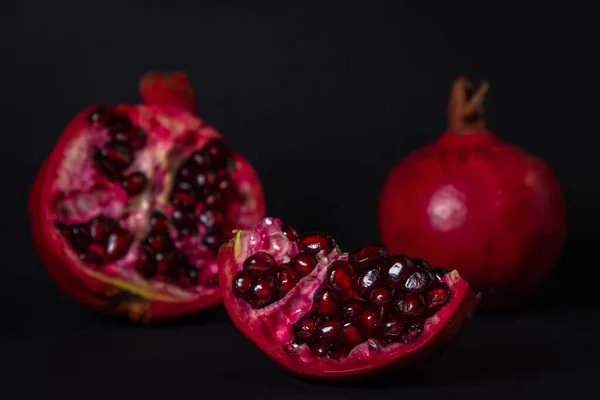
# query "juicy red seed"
(217, 151)
(437, 296)
(211, 218)
(304, 330)
(79, 236)
(397, 269)
(101, 227)
(183, 186)
(200, 158)
(369, 323)
(241, 285)
(259, 263)
(203, 179)
(319, 349)
(422, 264)
(314, 242)
(325, 302)
(159, 222)
(226, 186)
(368, 280)
(148, 267)
(135, 183)
(304, 263)
(118, 154)
(413, 332)
(136, 138)
(286, 280)
(118, 244)
(440, 272)
(329, 331)
(262, 291)
(214, 239)
(99, 116)
(185, 221)
(350, 334)
(91, 257)
(186, 200)
(158, 242)
(106, 167)
(118, 123)
(369, 255)
(340, 277)
(393, 329)
(336, 353)
(410, 305)
(290, 232)
(214, 200)
(353, 308)
(382, 296)
(417, 281)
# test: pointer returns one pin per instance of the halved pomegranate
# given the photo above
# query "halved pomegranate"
(129, 209)
(324, 314)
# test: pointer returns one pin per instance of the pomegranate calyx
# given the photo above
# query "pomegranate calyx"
(465, 107)
(168, 89)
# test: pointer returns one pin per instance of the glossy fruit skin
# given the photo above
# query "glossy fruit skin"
(450, 324)
(474, 203)
(110, 296)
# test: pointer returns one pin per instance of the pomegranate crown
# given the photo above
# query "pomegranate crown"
(465, 107)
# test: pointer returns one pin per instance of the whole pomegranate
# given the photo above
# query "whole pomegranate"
(328, 315)
(129, 209)
(474, 203)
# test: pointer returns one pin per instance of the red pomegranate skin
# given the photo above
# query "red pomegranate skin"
(112, 296)
(472, 202)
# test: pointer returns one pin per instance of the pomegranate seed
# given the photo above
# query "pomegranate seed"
(192, 274)
(393, 329)
(319, 349)
(118, 154)
(147, 268)
(410, 305)
(159, 222)
(369, 256)
(336, 353)
(200, 158)
(217, 151)
(262, 291)
(286, 280)
(350, 334)
(440, 272)
(304, 330)
(118, 123)
(437, 296)
(329, 331)
(241, 285)
(187, 171)
(304, 263)
(397, 269)
(214, 239)
(340, 278)
(184, 221)
(325, 302)
(353, 308)
(314, 242)
(259, 263)
(106, 167)
(79, 236)
(417, 281)
(203, 179)
(184, 200)
(118, 244)
(135, 183)
(99, 116)
(211, 218)
(214, 200)
(369, 323)
(100, 228)
(91, 257)
(226, 186)
(381, 296)
(368, 280)
(290, 233)
(413, 332)
(158, 242)
(421, 264)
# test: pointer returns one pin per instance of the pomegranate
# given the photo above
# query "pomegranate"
(472, 202)
(324, 314)
(129, 209)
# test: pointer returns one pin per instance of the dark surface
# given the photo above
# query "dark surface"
(323, 100)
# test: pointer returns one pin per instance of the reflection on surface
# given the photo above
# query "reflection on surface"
(447, 209)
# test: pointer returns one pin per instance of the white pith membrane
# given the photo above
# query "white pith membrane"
(275, 321)
(80, 193)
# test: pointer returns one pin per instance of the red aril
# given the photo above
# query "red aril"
(474, 203)
(131, 206)
(321, 326)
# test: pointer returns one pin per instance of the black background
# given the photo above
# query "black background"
(323, 98)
